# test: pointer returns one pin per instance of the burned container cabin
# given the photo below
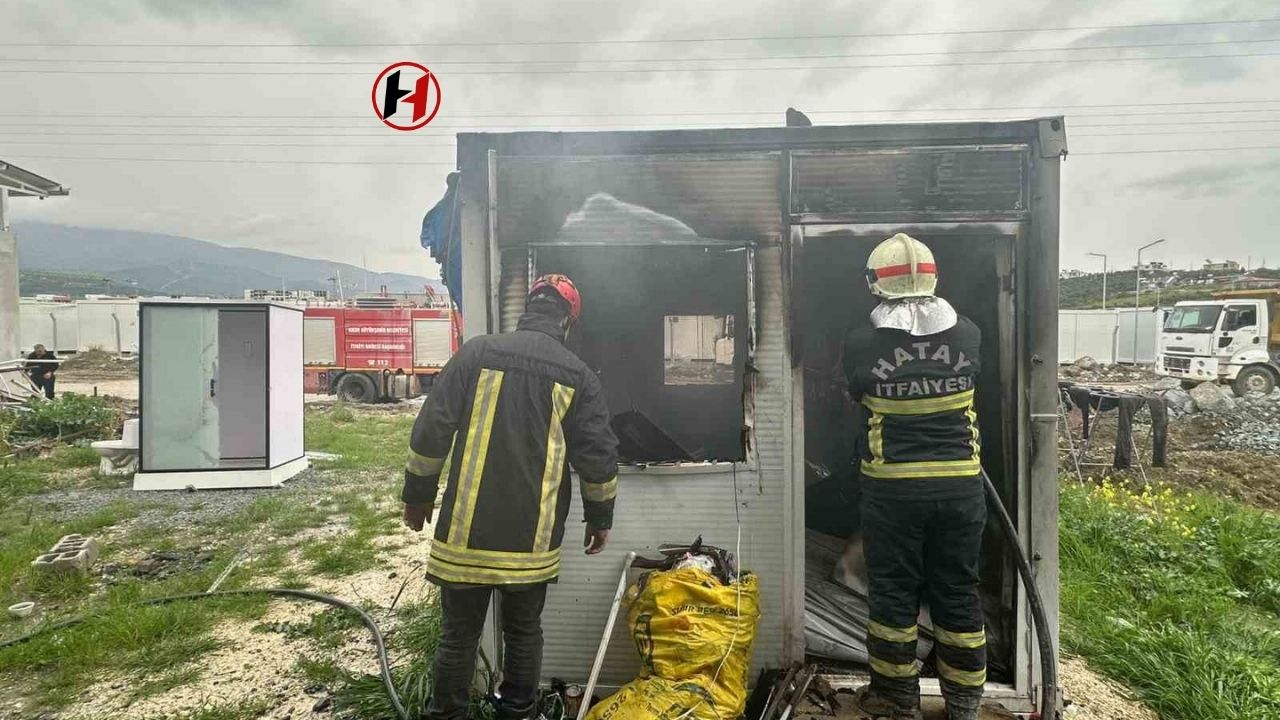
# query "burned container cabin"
(720, 270)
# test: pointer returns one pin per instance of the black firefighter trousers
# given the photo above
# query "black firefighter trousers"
(464, 611)
(925, 548)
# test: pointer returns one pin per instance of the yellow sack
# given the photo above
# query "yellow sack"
(694, 635)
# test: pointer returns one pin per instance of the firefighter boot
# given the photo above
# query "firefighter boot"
(962, 706)
(506, 710)
(877, 706)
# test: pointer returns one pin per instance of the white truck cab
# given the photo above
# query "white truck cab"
(1233, 338)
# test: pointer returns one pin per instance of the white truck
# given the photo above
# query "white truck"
(1233, 338)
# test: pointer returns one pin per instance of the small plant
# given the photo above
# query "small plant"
(340, 413)
(70, 414)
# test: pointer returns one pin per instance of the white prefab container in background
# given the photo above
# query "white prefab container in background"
(110, 325)
(1138, 335)
(1087, 333)
(52, 324)
(220, 394)
(1109, 336)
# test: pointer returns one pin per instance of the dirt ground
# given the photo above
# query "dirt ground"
(1192, 461)
(253, 664)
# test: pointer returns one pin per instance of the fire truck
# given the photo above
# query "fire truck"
(371, 354)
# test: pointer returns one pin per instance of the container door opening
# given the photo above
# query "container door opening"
(241, 388)
(834, 299)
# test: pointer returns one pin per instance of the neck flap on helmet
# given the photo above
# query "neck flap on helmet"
(917, 315)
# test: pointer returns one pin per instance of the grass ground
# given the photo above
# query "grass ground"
(1177, 595)
(288, 537)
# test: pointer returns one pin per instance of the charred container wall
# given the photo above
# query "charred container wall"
(753, 240)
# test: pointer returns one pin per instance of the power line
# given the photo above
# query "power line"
(656, 41)
(1177, 122)
(296, 132)
(332, 145)
(466, 127)
(605, 71)
(835, 56)
(692, 113)
(1170, 132)
(236, 160)
(344, 146)
(249, 161)
(1174, 150)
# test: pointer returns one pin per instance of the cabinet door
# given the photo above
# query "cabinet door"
(179, 371)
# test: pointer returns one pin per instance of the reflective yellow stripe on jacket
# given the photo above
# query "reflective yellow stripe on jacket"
(918, 406)
(880, 468)
(476, 450)
(460, 564)
(553, 472)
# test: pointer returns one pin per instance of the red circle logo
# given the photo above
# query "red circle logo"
(406, 96)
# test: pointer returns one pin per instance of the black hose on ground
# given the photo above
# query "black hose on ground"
(1048, 657)
(383, 664)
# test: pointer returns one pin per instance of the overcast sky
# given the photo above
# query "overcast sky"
(1206, 204)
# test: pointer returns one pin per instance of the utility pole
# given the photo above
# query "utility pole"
(1137, 294)
(1104, 277)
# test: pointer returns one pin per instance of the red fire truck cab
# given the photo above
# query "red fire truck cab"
(372, 354)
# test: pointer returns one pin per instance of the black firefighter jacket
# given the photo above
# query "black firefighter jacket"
(502, 424)
(921, 436)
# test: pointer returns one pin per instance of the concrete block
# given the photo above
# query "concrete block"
(73, 553)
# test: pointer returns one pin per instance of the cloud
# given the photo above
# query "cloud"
(348, 212)
(1214, 180)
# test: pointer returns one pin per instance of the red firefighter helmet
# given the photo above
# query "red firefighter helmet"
(563, 288)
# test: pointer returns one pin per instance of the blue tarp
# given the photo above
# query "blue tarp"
(440, 237)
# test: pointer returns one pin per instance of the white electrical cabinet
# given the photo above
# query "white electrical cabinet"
(220, 394)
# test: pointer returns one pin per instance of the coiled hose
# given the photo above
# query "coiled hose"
(1048, 658)
(383, 664)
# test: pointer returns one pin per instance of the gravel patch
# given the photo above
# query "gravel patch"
(1093, 697)
(180, 507)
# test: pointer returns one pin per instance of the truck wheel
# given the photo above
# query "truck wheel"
(357, 388)
(1254, 379)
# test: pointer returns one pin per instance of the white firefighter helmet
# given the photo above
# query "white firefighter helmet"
(901, 267)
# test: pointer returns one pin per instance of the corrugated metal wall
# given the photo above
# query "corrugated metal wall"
(927, 180)
(514, 287)
(727, 196)
(675, 505)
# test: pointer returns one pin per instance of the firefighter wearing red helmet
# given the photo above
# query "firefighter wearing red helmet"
(913, 370)
(505, 420)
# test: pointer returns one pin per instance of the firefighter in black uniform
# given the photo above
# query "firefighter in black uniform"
(923, 507)
(506, 418)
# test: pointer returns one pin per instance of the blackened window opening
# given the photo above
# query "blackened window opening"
(628, 295)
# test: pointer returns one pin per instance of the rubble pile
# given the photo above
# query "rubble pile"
(1087, 370)
(1255, 424)
(1242, 423)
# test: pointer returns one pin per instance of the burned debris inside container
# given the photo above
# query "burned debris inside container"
(662, 328)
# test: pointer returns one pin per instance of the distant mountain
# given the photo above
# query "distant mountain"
(175, 265)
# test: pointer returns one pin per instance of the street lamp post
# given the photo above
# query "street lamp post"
(1137, 295)
(1104, 277)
